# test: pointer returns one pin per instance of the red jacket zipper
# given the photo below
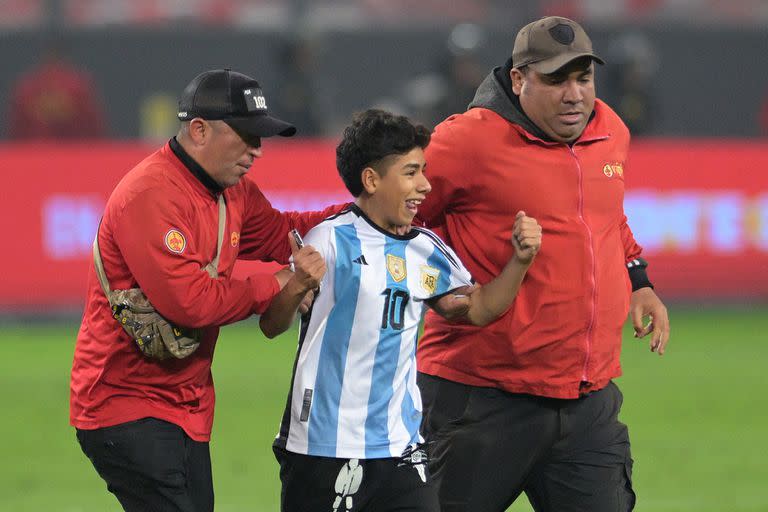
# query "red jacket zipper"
(584, 376)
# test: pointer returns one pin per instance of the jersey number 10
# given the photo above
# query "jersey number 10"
(394, 308)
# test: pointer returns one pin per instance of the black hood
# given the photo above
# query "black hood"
(495, 93)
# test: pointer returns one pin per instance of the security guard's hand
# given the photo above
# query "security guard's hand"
(308, 264)
(283, 276)
(526, 238)
(645, 303)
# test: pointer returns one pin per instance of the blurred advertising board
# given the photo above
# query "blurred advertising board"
(698, 207)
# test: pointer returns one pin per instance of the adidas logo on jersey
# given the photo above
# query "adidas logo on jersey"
(360, 260)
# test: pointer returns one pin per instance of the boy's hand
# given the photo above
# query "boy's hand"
(526, 238)
(454, 305)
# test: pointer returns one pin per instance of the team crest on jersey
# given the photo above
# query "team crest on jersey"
(429, 276)
(615, 169)
(175, 241)
(396, 267)
(234, 239)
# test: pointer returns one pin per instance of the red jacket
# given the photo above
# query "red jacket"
(159, 229)
(562, 335)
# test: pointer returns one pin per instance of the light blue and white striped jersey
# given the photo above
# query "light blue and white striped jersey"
(353, 392)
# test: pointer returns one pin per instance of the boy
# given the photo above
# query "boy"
(349, 438)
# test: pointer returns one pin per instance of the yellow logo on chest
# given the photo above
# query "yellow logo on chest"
(615, 169)
(396, 267)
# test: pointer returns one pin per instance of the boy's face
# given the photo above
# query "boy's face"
(394, 195)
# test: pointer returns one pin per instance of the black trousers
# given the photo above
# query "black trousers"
(326, 484)
(488, 446)
(151, 465)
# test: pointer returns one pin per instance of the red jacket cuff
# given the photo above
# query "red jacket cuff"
(265, 287)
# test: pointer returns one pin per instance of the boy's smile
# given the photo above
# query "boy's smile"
(392, 195)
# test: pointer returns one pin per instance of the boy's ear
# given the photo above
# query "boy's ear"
(370, 179)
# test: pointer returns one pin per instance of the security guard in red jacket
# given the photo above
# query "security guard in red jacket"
(145, 423)
(527, 404)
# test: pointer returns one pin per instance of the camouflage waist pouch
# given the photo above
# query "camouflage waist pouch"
(155, 336)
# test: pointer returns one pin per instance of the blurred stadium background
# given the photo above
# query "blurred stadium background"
(88, 88)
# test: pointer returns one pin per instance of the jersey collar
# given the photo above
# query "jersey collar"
(360, 213)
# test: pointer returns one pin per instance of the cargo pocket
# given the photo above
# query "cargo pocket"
(627, 496)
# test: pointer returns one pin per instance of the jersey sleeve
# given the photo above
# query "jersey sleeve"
(320, 238)
(154, 237)
(444, 271)
(264, 233)
(459, 275)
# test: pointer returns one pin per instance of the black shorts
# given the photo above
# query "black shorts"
(488, 446)
(312, 484)
(151, 465)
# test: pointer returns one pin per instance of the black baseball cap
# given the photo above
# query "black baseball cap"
(550, 43)
(236, 99)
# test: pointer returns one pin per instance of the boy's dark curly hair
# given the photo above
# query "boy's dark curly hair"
(373, 136)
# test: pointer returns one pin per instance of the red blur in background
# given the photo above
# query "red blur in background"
(698, 207)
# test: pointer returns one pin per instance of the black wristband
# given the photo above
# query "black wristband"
(637, 274)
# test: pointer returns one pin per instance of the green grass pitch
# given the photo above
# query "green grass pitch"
(698, 417)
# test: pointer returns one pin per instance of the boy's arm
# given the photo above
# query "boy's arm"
(309, 268)
(480, 305)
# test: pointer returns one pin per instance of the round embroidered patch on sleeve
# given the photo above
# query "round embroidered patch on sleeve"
(175, 241)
